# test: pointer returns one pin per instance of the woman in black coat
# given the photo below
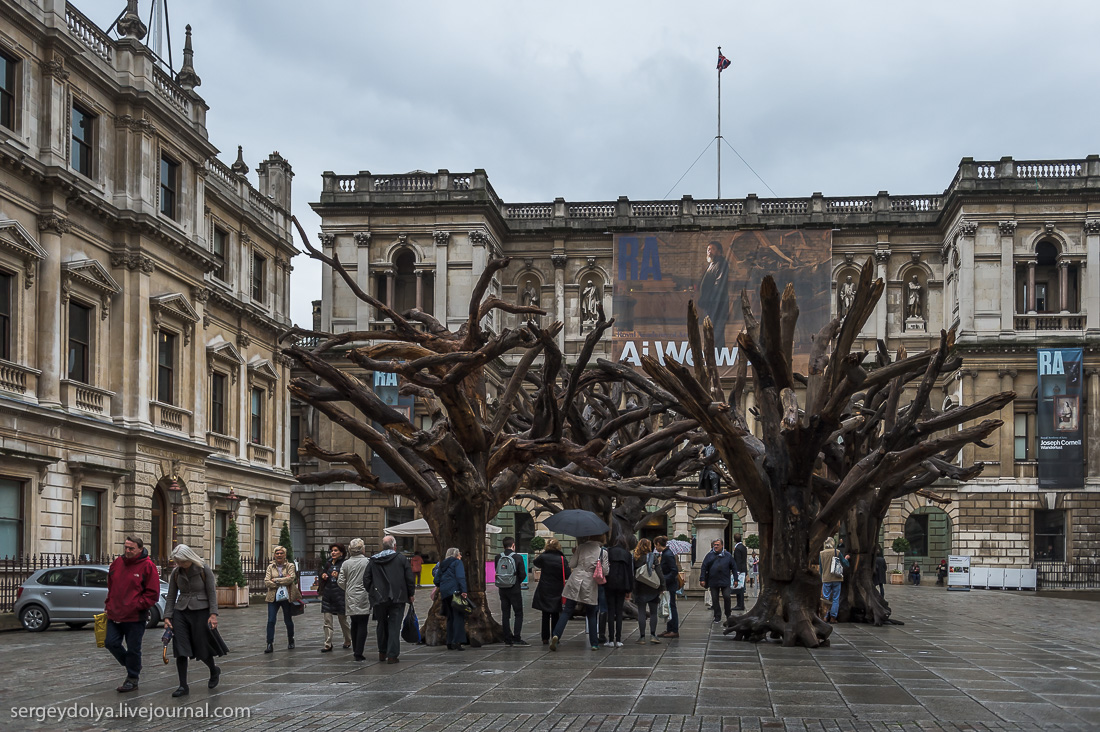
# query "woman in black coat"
(620, 583)
(332, 597)
(547, 597)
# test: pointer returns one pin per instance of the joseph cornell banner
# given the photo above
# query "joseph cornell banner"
(1059, 419)
(656, 274)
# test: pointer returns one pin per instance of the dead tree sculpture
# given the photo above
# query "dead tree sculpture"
(794, 479)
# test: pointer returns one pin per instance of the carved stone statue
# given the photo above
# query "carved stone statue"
(913, 305)
(530, 296)
(709, 481)
(590, 303)
(847, 295)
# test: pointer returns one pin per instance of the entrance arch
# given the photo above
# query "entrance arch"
(928, 529)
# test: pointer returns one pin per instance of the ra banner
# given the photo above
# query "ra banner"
(1059, 420)
(656, 274)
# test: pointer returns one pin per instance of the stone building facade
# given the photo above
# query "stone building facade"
(143, 283)
(1008, 255)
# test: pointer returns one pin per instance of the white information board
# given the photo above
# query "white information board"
(958, 572)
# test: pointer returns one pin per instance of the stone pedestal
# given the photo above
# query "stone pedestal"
(708, 527)
(915, 324)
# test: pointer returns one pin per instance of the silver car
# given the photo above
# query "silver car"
(72, 595)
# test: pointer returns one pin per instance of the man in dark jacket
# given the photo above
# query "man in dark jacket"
(741, 568)
(878, 572)
(670, 570)
(511, 574)
(715, 576)
(390, 584)
(133, 586)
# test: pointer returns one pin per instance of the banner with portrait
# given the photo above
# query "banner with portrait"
(1059, 421)
(657, 273)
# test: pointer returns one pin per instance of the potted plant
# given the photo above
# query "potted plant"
(537, 545)
(900, 546)
(232, 586)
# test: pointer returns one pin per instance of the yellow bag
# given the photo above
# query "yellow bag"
(100, 630)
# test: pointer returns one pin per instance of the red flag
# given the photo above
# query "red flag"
(723, 63)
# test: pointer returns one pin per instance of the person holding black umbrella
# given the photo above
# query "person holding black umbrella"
(583, 588)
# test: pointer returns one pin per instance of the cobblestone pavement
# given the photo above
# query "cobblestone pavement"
(963, 661)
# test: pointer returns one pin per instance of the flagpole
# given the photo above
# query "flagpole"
(719, 137)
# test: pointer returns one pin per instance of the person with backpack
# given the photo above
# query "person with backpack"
(511, 574)
(620, 583)
(648, 584)
(390, 585)
(547, 595)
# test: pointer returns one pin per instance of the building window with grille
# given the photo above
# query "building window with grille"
(8, 67)
(11, 517)
(166, 367)
(83, 124)
(221, 241)
(217, 403)
(221, 526)
(6, 288)
(259, 538)
(1050, 536)
(80, 338)
(259, 281)
(91, 505)
(169, 185)
(257, 429)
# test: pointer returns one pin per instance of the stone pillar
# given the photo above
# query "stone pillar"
(966, 286)
(328, 283)
(559, 260)
(442, 238)
(968, 377)
(882, 259)
(200, 369)
(419, 289)
(1007, 432)
(1092, 445)
(363, 314)
(708, 527)
(1090, 292)
(1031, 285)
(1008, 277)
(51, 228)
(389, 289)
(1063, 286)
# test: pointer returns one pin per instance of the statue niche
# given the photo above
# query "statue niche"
(847, 295)
(915, 300)
(591, 295)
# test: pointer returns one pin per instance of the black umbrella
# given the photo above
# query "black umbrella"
(576, 522)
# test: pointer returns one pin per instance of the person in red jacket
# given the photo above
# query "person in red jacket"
(133, 586)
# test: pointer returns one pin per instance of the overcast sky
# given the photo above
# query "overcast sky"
(600, 99)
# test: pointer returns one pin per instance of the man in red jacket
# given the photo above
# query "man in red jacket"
(133, 586)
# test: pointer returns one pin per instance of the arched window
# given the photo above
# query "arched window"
(404, 286)
(1048, 283)
(158, 529)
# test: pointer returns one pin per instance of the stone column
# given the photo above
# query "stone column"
(1008, 277)
(1007, 432)
(708, 527)
(419, 289)
(1031, 286)
(442, 239)
(363, 313)
(1063, 286)
(328, 283)
(48, 321)
(1092, 446)
(968, 377)
(559, 260)
(200, 369)
(1090, 292)
(389, 289)
(966, 287)
(882, 259)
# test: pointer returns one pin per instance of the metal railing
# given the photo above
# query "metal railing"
(1068, 575)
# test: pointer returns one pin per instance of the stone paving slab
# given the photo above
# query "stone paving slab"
(963, 661)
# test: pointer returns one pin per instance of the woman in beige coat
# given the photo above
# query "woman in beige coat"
(281, 574)
(356, 599)
(581, 588)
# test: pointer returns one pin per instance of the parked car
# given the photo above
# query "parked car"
(72, 595)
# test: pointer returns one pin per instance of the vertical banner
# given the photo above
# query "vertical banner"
(1059, 423)
(386, 387)
(958, 572)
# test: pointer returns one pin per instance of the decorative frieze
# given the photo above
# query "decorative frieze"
(1092, 226)
(54, 223)
(326, 239)
(244, 340)
(1008, 228)
(200, 294)
(441, 237)
(55, 67)
(133, 261)
(479, 237)
(558, 259)
(362, 239)
(968, 228)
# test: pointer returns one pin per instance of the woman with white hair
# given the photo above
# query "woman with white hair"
(281, 581)
(191, 613)
(356, 599)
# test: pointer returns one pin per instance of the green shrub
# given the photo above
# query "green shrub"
(752, 541)
(900, 546)
(538, 544)
(230, 573)
(285, 542)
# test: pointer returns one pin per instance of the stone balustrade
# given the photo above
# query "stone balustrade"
(17, 378)
(171, 91)
(86, 398)
(170, 417)
(1035, 322)
(261, 454)
(89, 33)
(224, 444)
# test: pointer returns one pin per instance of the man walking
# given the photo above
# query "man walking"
(670, 571)
(740, 568)
(511, 574)
(133, 586)
(390, 583)
(716, 575)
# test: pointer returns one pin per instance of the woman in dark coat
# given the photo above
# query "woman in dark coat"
(620, 583)
(450, 577)
(191, 613)
(332, 597)
(646, 597)
(547, 597)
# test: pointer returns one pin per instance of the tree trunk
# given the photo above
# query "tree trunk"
(860, 601)
(786, 610)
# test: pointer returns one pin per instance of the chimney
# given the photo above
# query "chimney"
(275, 176)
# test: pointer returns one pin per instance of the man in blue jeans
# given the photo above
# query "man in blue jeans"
(830, 580)
(133, 586)
(671, 573)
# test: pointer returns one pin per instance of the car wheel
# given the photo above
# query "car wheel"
(34, 618)
(154, 617)
(76, 626)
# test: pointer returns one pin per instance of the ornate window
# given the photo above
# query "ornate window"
(80, 341)
(7, 287)
(169, 186)
(11, 517)
(259, 537)
(256, 422)
(83, 124)
(91, 520)
(8, 79)
(173, 319)
(167, 358)
(219, 246)
(19, 255)
(218, 389)
(259, 277)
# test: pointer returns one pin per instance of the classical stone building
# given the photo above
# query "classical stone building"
(142, 285)
(1008, 255)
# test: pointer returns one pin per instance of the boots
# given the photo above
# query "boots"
(269, 649)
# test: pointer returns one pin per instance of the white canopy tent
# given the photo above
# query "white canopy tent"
(419, 527)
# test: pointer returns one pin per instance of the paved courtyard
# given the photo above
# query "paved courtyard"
(963, 661)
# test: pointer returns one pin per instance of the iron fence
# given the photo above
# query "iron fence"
(1068, 575)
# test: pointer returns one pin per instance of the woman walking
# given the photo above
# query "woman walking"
(581, 588)
(450, 577)
(620, 583)
(356, 600)
(191, 613)
(547, 596)
(281, 582)
(646, 597)
(332, 597)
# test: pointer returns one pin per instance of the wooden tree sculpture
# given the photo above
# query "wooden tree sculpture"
(795, 480)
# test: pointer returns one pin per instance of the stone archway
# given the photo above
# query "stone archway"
(928, 527)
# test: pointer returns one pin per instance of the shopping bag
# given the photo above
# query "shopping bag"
(707, 599)
(666, 607)
(100, 630)
(281, 594)
(410, 628)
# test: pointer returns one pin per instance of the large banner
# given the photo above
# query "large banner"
(657, 273)
(1060, 427)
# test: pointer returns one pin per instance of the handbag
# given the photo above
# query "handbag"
(647, 576)
(100, 630)
(836, 566)
(297, 607)
(563, 580)
(461, 604)
(597, 572)
(410, 627)
(680, 580)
